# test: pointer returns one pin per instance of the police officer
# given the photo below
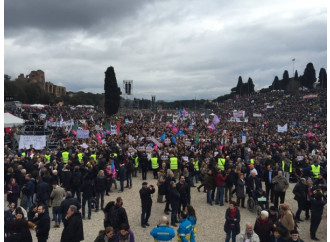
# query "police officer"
(163, 232)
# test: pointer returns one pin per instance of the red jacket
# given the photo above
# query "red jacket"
(220, 179)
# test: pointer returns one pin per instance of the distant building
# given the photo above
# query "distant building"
(38, 77)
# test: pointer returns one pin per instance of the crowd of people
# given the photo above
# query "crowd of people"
(248, 159)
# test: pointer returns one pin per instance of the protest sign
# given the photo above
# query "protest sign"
(82, 134)
(38, 141)
(283, 128)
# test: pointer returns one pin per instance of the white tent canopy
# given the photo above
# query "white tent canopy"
(11, 120)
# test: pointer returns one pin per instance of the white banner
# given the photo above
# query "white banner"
(113, 129)
(268, 106)
(243, 139)
(155, 141)
(257, 115)
(82, 134)
(128, 121)
(283, 128)
(239, 114)
(38, 141)
(59, 123)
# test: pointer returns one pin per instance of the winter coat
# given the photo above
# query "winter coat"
(230, 220)
(100, 183)
(300, 192)
(65, 204)
(263, 230)
(14, 195)
(280, 183)
(209, 183)
(29, 187)
(219, 179)
(43, 191)
(87, 189)
(43, 225)
(57, 195)
(73, 229)
(240, 188)
(145, 195)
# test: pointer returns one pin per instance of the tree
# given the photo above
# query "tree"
(323, 78)
(7, 77)
(239, 86)
(250, 86)
(285, 80)
(112, 92)
(276, 84)
(309, 77)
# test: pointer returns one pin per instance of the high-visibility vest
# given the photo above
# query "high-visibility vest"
(221, 163)
(316, 170)
(283, 164)
(47, 157)
(173, 163)
(23, 154)
(115, 154)
(80, 156)
(252, 161)
(196, 167)
(154, 163)
(94, 157)
(65, 156)
(136, 162)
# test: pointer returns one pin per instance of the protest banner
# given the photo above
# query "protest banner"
(82, 134)
(239, 114)
(38, 141)
(257, 115)
(310, 96)
(113, 129)
(283, 128)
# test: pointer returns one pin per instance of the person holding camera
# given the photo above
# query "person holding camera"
(146, 202)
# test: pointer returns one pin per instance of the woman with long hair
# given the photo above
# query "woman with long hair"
(193, 219)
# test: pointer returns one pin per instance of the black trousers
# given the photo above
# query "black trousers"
(144, 174)
(270, 193)
(175, 208)
(145, 215)
(315, 222)
(278, 195)
(301, 207)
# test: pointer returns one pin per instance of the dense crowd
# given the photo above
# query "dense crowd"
(247, 159)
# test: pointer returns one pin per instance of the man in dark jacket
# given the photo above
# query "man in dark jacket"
(317, 205)
(174, 197)
(87, 189)
(183, 188)
(300, 195)
(76, 181)
(118, 215)
(170, 177)
(122, 175)
(146, 203)
(268, 177)
(43, 192)
(73, 226)
(65, 204)
(100, 187)
(144, 166)
(43, 223)
(28, 190)
(253, 183)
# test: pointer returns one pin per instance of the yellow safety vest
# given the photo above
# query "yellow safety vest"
(316, 170)
(115, 154)
(196, 167)
(252, 161)
(221, 163)
(65, 156)
(136, 162)
(80, 156)
(154, 163)
(47, 157)
(283, 164)
(173, 163)
(94, 157)
(23, 154)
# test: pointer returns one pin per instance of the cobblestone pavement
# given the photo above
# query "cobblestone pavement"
(210, 219)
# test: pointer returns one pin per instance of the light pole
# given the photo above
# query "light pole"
(293, 60)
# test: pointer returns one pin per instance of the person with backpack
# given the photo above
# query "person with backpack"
(100, 187)
(118, 215)
(129, 170)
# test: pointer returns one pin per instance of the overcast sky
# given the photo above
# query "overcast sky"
(172, 49)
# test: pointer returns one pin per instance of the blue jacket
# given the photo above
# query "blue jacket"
(184, 230)
(193, 224)
(29, 188)
(162, 233)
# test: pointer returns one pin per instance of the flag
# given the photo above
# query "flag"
(215, 119)
(211, 127)
(118, 127)
(163, 137)
(180, 111)
(184, 112)
(173, 139)
(180, 132)
(85, 127)
(98, 137)
(197, 138)
(74, 129)
(107, 126)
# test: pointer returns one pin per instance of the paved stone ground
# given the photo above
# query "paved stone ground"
(210, 219)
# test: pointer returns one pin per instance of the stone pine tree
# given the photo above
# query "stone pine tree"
(250, 86)
(112, 92)
(239, 86)
(285, 80)
(323, 78)
(276, 84)
(309, 77)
